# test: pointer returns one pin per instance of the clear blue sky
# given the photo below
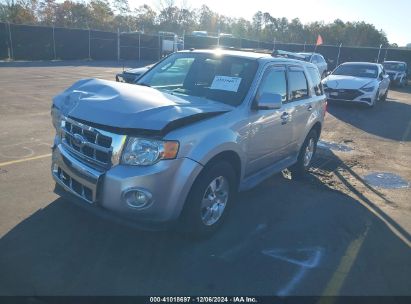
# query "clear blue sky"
(394, 17)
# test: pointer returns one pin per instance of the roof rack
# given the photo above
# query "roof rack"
(285, 54)
(231, 48)
(275, 53)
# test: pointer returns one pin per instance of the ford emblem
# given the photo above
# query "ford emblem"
(79, 140)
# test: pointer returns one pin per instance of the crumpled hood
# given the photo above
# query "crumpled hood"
(346, 82)
(137, 71)
(128, 107)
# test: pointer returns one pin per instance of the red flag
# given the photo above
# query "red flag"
(319, 40)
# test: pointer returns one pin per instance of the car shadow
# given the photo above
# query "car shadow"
(284, 237)
(389, 119)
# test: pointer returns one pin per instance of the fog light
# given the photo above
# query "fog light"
(137, 198)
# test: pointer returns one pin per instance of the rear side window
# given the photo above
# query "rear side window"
(274, 82)
(315, 77)
(297, 83)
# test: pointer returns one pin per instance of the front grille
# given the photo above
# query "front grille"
(81, 190)
(345, 94)
(94, 146)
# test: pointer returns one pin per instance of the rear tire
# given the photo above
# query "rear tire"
(306, 155)
(384, 97)
(209, 200)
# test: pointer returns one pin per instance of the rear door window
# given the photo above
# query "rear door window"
(316, 80)
(297, 83)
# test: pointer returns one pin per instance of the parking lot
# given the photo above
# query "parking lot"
(330, 234)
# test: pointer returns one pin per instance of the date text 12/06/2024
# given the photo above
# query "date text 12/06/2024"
(237, 299)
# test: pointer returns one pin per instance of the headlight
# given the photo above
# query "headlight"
(56, 118)
(368, 88)
(145, 152)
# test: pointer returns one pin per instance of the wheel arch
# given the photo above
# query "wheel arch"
(229, 156)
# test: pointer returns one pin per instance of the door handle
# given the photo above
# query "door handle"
(284, 117)
(310, 107)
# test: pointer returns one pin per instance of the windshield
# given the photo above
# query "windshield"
(357, 70)
(394, 66)
(225, 79)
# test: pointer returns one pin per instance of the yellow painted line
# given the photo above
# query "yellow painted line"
(407, 132)
(337, 280)
(24, 160)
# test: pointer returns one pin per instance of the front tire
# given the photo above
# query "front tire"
(209, 200)
(306, 155)
(375, 100)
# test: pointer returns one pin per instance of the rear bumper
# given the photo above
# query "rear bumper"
(168, 182)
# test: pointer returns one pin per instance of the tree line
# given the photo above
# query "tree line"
(116, 14)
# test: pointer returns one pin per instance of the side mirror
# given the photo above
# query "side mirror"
(328, 73)
(269, 101)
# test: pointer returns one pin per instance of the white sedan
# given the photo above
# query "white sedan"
(360, 82)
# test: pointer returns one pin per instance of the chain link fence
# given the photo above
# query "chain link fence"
(28, 42)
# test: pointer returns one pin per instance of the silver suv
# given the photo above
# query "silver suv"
(198, 127)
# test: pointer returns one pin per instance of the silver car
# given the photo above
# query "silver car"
(318, 60)
(199, 127)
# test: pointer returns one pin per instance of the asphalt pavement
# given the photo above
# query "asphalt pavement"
(330, 234)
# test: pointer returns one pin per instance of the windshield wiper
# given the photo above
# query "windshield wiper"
(144, 84)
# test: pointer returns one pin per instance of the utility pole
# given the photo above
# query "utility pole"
(379, 51)
(338, 56)
(11, 43)
(54, 45)
(118, 44)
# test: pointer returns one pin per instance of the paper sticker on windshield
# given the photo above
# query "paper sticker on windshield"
(226, 83)
(370, 71)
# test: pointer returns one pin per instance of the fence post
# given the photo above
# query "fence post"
(118, 44)
(159, 46)
(338, 56)
(379, 51)
(89, 44)
(386, 53)
(11, 43)
(54, 45)
(139, 47)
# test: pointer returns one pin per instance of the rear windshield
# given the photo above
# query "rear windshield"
(225, 79)
(394, 66)
(357, 70)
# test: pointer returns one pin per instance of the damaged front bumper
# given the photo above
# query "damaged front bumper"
(167, 184)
